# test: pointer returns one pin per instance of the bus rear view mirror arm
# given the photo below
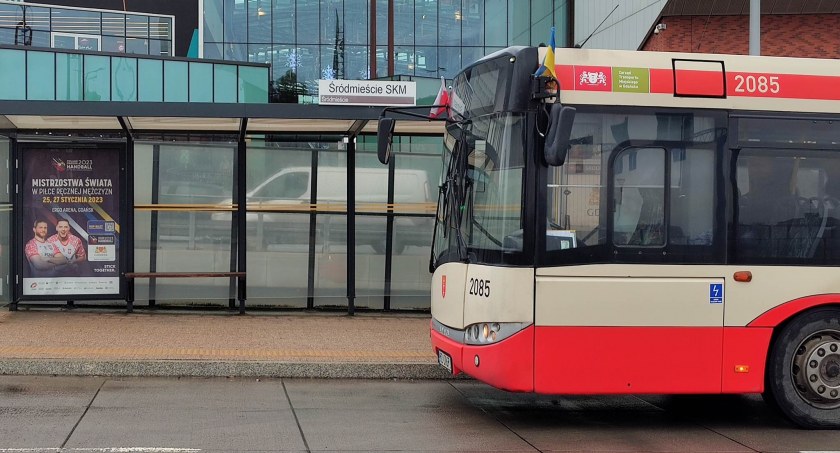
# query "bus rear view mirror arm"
(561, 120)
(384, 139)
(385, 129)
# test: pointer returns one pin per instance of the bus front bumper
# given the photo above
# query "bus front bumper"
(507, 365)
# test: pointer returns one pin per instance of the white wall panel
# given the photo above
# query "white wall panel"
(624, 29)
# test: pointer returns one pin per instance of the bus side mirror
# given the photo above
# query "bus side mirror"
(384, 137)
(561, 120)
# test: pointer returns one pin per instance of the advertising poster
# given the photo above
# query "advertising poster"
(71, 222)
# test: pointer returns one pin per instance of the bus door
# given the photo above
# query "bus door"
(615, 314)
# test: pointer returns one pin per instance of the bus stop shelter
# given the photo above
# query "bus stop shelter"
(210, 145)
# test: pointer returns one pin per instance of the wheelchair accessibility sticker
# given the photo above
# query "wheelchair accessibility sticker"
(715, 293)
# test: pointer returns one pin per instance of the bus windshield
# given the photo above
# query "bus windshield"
(479, 216)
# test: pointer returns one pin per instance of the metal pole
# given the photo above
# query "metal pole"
(241, 212)
(14, 225)
(313, 232)
(755, 27)
(155, 219)
(351, 224)
(390, 38)
(389, 233)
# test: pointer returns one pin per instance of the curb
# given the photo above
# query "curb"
(195, 368)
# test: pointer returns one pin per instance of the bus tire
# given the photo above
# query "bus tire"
(803, 372)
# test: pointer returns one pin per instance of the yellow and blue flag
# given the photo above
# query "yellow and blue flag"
(547, 66)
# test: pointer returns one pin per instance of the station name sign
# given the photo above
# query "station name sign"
(367, 92)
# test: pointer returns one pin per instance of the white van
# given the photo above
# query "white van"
(289, 192)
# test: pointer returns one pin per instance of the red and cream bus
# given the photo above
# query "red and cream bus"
(667, 223)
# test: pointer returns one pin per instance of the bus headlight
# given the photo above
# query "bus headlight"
(491, 332)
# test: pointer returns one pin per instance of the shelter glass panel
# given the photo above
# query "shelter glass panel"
(200, 89)
(68, 74)
(124, 79)
(370, 259)
(224, 83)
(183, 224)
(331, 261)
(253, 84)
(12, 74)
(415, 197)
(40, 76)
(150, 81)
(278, 222)
(175, 81)
(371, 230)
(97, 79)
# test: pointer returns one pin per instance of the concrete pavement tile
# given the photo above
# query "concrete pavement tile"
(341, 394)
(228, 429)
(38, 412)
(36, 427)
(39, 392)
(405, 429)
(192, 393)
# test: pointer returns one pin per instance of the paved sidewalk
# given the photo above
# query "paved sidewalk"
(58, 342)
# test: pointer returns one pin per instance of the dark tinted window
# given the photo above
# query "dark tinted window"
(787, 207)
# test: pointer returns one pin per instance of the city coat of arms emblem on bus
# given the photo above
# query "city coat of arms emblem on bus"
(593, 78)
(443, 286)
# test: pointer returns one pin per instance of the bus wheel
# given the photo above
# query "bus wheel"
(804, 369)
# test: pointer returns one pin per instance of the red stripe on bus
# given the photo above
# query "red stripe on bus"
(662, 81)
(566, 77)
(622, 360)
(690, 82)
(788, 86)
(618, 360)
(744, 346)
(781, 313)
(507, 365)
(738, 84)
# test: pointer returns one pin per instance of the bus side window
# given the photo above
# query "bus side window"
(639, 197)
(786, 208)
(692, 196)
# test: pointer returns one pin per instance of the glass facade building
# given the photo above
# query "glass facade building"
(307, 40)
(59, 27)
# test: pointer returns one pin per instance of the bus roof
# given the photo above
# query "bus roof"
(690, 80)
